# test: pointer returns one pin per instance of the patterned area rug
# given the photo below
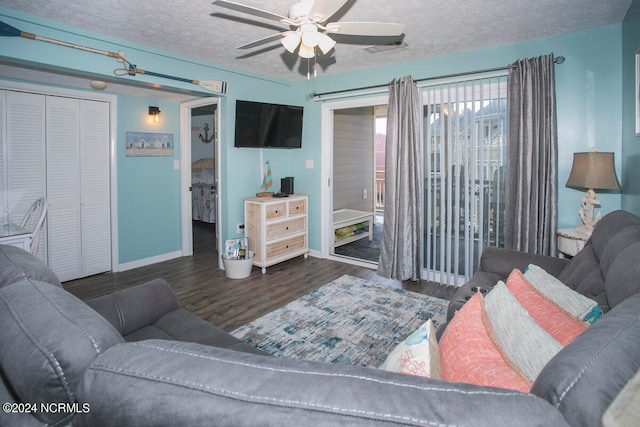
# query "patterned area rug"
(350, 320)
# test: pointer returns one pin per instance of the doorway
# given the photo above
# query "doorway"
(199, 177)
(353, 146)
(203, 181)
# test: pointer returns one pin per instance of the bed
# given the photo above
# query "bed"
(350, 225)
(203, 190)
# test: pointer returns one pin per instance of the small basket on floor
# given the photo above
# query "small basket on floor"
(238, 268)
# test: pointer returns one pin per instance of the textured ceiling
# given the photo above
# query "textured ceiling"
(200, 29)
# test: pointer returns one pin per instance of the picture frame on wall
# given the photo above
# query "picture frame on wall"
(148, 144)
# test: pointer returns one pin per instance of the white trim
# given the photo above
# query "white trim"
(149, 261)
(185, 172)
(113, 149)
(326, 132)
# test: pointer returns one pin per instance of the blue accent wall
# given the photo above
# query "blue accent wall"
(148, 187)
(594, 98)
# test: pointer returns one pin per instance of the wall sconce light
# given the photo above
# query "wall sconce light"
(592, 171)
(154, 112)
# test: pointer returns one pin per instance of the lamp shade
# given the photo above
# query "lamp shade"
(593, 170)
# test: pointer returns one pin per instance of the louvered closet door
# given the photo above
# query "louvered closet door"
(63, 189)
(94, 187)
(78, 187)
(25, 155)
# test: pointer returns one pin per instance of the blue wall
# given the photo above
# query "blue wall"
(588, 88)
(630, 141)
(148, 187)
(589, 96)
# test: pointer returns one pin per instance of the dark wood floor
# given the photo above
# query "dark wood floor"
(204, 290)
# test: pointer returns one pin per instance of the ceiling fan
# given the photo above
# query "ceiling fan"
(309, 26)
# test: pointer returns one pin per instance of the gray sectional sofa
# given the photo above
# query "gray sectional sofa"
(134, 358)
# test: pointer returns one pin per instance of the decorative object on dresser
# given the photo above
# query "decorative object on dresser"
(593, 171)
(276, 228)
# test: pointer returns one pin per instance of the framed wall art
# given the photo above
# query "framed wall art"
(144, 144)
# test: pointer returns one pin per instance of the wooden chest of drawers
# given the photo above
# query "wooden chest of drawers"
(276, 228)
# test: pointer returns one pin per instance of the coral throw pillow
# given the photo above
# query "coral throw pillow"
(470, 353)
(558, 322)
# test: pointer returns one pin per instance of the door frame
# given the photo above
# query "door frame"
(327, 123)
(186, 228)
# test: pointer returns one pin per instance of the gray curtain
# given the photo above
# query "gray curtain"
(532, 163)
(401, 250)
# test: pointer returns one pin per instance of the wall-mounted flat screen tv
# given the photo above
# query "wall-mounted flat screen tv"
(264, 125)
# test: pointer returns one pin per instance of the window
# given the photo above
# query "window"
(465, 154)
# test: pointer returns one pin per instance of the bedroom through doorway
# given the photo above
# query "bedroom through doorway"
(204, 139)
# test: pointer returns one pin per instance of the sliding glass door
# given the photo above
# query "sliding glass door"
(465, 154)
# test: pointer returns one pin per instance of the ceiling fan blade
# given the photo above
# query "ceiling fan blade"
(250, 10)
(261, 41)
(322, 10)
(365, 28)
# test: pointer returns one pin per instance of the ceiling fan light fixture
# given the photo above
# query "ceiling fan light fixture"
(306, 51)
(326, 43)
(291, 41)
(311, 38)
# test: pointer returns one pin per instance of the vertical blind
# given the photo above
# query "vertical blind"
(465, 129)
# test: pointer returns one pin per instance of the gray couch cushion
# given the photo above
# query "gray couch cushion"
(583, 379)
(588, 271)
(49, 338)
(18, 264)
(137, 307)
(162, 383)
(623, 277)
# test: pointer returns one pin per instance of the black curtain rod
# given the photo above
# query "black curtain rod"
(557, 60)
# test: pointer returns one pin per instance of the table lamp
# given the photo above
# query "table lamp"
(593, 171)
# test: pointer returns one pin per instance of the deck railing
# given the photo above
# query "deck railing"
(379, 189)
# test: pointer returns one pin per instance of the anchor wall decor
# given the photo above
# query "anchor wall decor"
(206, 139)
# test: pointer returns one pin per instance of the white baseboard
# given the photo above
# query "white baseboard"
(148, 261)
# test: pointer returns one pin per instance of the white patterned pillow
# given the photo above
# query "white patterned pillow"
(416, 355)
(573, 302)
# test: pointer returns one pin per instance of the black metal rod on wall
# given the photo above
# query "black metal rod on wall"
(557, 60)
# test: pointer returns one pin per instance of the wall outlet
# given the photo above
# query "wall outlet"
(240, 229)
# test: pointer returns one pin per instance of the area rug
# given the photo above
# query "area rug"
(351, 321)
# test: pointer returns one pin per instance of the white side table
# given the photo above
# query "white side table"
(570, 242)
